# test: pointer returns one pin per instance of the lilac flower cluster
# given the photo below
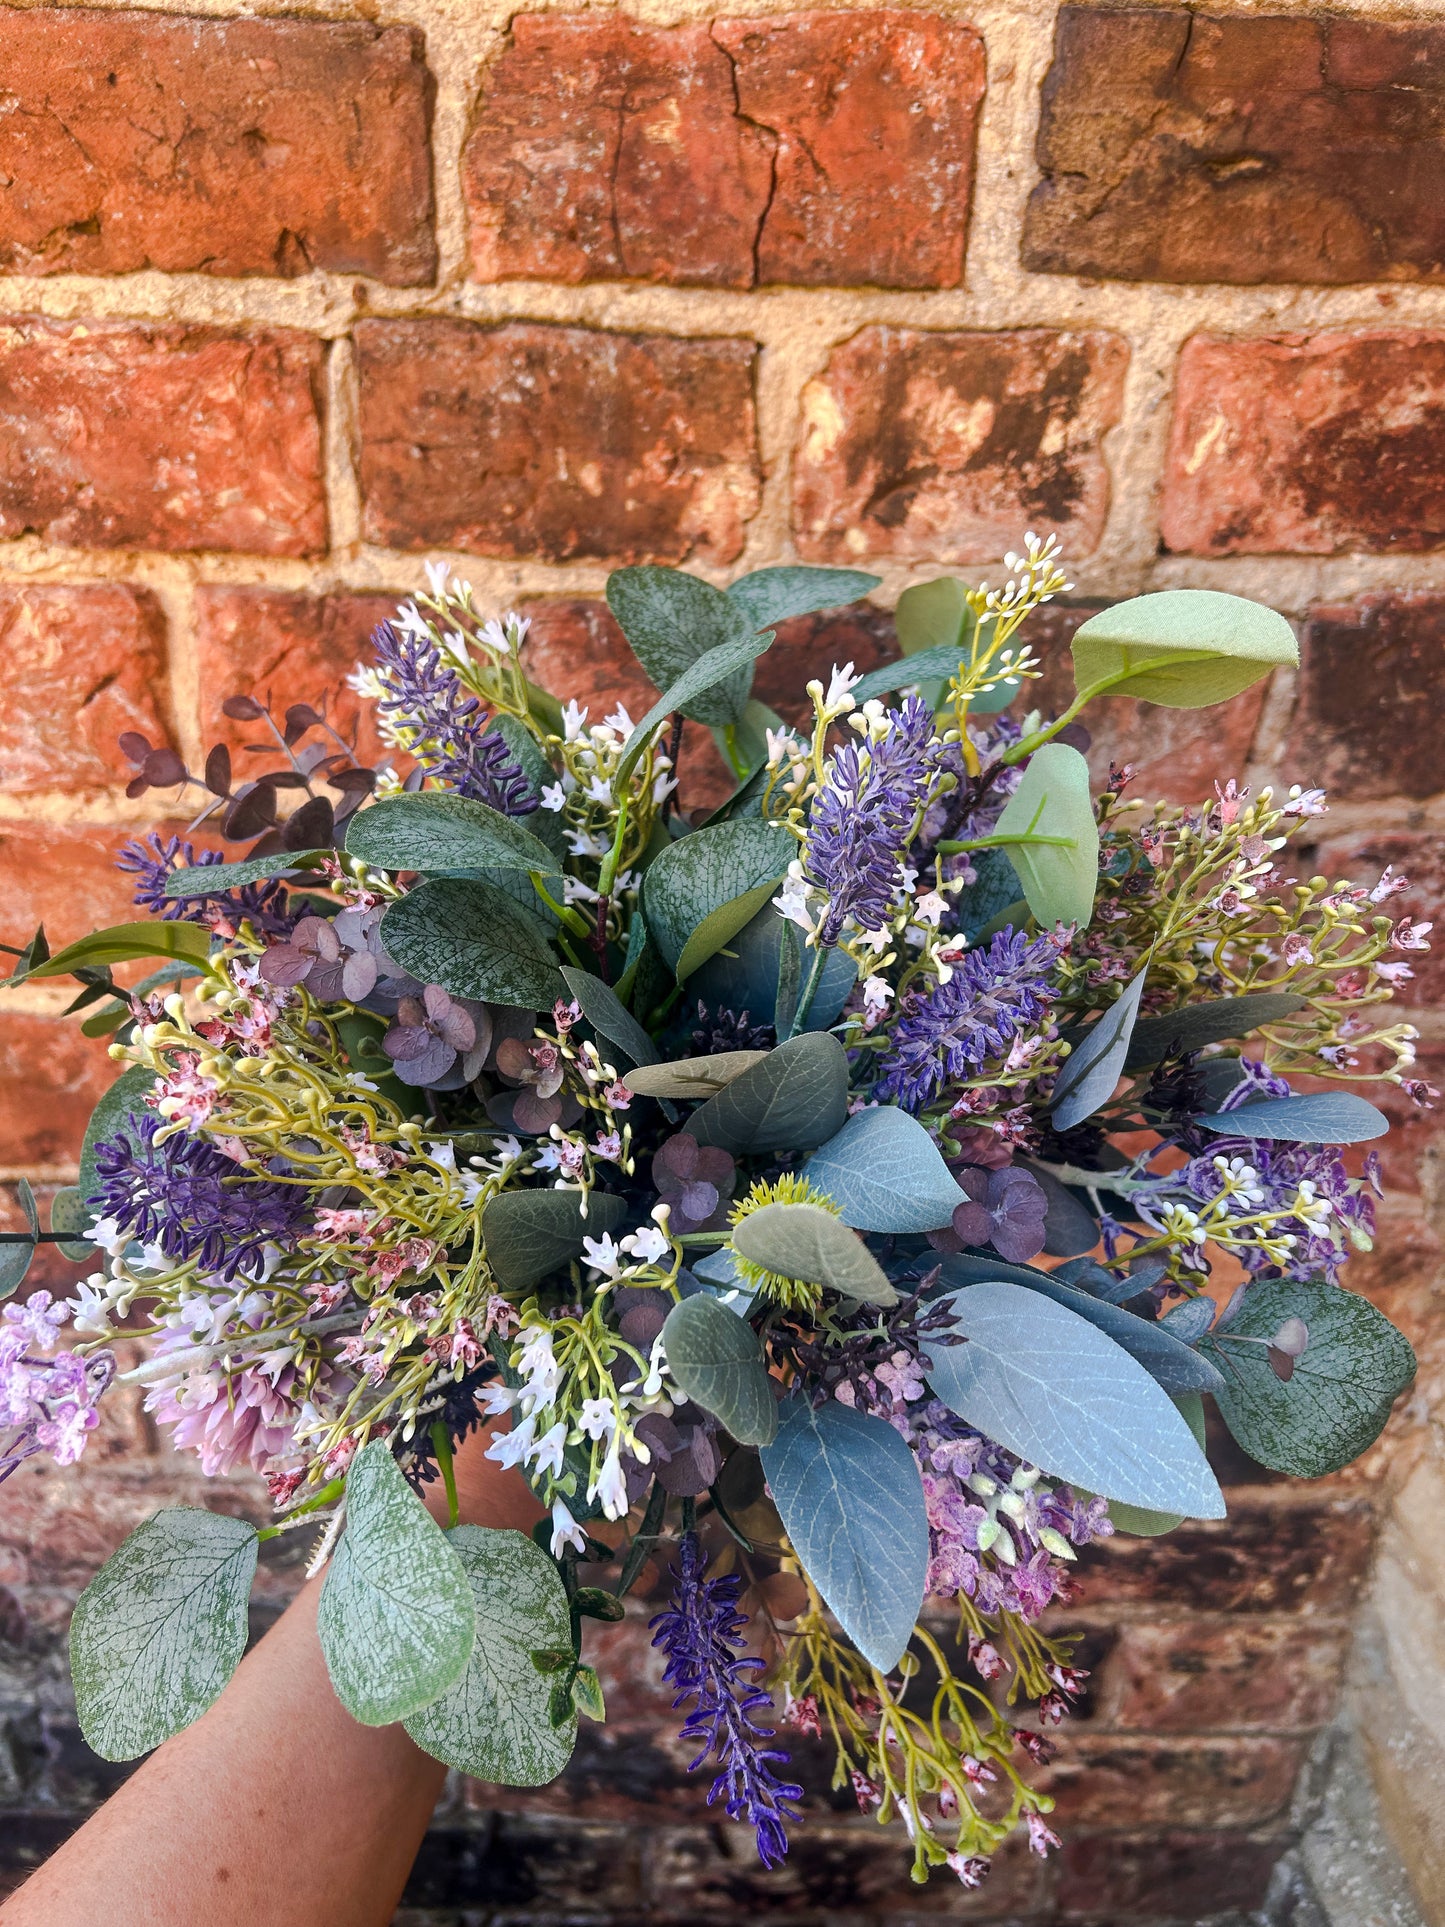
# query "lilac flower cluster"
(152, 860)
(46, 1405)
(701, 1634)
(422, 693)
(1313, 1198)
(951, 1032)
(864, 816)
(193, 1201)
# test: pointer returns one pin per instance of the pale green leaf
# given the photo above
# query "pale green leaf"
(1185, 648)
(692, 1077)
(528, 1234)
(715, 1357)
(805, 1242)
(1058, 878)
(126, 943)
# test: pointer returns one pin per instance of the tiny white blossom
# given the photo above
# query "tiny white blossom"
(597, 1418)
(603, 1255)
(438, 574)
(573, 722)
(565, 1530)
(554, 797)
(648, 1244)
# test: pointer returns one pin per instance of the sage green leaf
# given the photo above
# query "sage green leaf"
(1053, 1388)
(1193, 1026)
(671, 620)
(493, 1723)
(118, 1113)
(1058, 879)
(438, 830)
(992, 900)
(214, 879)
(396, 1618)
(692, 1077)
(794, 1099)
(885, 1173)
(701, 890)
(475, 941)
(851, 1499)
(1096, 1063)
(126, 943)
(15, 1263)
(1315, 1117)
(806, 1242)
(526, 753)
(528, 1234)
(715, 1357)
(608, 1016)
(160, 1629)
(1185, 648)
(587, 1693)
(933, 667)
(795, 589)
(1137, 1520)
(70, 1215)
(711, 675)
(1336, 1401)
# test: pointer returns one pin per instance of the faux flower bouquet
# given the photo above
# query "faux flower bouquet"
(846, 1196)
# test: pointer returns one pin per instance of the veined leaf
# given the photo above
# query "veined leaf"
(794, 1099)
(1137, 1520)
(885, 1173)
(119, 1110)
(1318, 1117)
(214, 879)
(1193, 1026)
(711, 675)
(796, 589)
(700, 891)
(438, 830)
(1058, 878)
(806, 1242)
(747, 974)
(671, 620)
(475, 941)
(851, 1498)
(69, 1215)
(1096, 1063)
(715, 1357)
(126, 942)
(528, 1234)
(691, 1077)
(1187, 648)
(608, 1016)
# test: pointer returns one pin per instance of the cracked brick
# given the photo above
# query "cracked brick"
(232, 147)
(819, 149)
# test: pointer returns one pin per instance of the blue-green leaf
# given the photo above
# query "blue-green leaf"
(1321, 1117)
(1050, 1386)
(1058, 878)
(1193, 1026)
(705, 684)
(118, 1112)
(1096, 1062)
(795, 589)
(885, 1173)
(851, 1499)
(437, 830)
(608, 1016)
(215, 879)
(700, 891)
(127, 943)
(715, 1357)
(793, 1099)
(671, 620)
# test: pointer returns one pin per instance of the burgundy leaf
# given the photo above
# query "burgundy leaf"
(253, 810)
(299, 718)
(218, 771)
(163, 769)
(134, 746)
(137, 786)
(353, 778)
(358, 976)
(405, 1043)
(242, 709)
(312, 827)
(284, 965)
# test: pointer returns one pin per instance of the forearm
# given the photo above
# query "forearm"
(276, 1806)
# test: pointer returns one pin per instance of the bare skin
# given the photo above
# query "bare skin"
(276, 1807)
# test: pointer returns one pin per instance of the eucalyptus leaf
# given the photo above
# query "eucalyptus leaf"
(851, 1499)
(127, 943)
(747, 973)
(439, 830)
(806, 1242)
(1186, 648)
(1137, 1520)
(790, 978)
(995, 890)
(1096, 1063)
(794, 589)
(692, 1077)
(715, 1357)
(526, 753)
(1189, 1321)
(395, 1618)
(885, 1173)
(160, 1629)
(1058, 879)
(933, 666)
(117, 1114)
(1193, 1026)
(529, 1234)
(794, 1099)
(15, 1263)
(1337, 1399)
(670, 620)
(69, 1215)
(700, 891)
(934, 615)
(215, 879)
(1321, 1117)
(493, 1723)
(1052, 1387)
(475, 941)
(608, 1016)
(708, 684)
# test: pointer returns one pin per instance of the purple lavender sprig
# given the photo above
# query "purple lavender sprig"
(701, 1634)
(192, 1201)
(949, 1034)
(152, 861)
(423, 693)
(864, 816)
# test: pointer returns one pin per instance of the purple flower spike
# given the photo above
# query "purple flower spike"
(423, 693)
(701, 1635)
(864, 817)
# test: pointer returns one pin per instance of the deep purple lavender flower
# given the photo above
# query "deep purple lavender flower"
(701, 1634)
(425, 694)
(993, 996)
(863, 817)
(153, 860)
(192, 1201)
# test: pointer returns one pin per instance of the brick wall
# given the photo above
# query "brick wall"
(287, 303)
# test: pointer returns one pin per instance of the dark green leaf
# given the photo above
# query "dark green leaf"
(715, 1357)
(1096, 1063)
(587, 1693)
(671, 620)
(704, 685)
(70, 1215)
(794, 589)
(702, 890)
(1058, 879)
(118, 1113)
(1336, 1401)
(1322, 1117)
(528, 1234)
(795, 1099)
(607, 1015)
(1188, 647)
(126, 942)
(475, 941)
(747, 975)
(214, 879)
(885, 1173)
(806, 1242)
(1193, 1026)
(438, 830)
(1070, 1228)
(996, 890)
(15, 1262)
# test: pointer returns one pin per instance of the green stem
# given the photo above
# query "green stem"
(730, 745)
(324, 1497)
(810, 990)
(442, 1446)
(1041, 736)
(953, 845)
(563, 912)
(612, 861)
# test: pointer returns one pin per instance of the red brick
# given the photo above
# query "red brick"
(944, 447)
(51, 1079)
(1371, 693)
(529, 440)
(65, 879)
(81, 666)
(213, 146)
(1178, 146)
(1307, 444)
(1109, 1877)
(113, 436)
(48, 1271)
(286, 646)
(1215, 1672)
(820, 148)
(1223, 1782)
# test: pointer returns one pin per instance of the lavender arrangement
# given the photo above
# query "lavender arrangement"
(845, 1198)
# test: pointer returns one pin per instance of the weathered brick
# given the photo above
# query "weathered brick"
(1178, 146)
(537, 1864)
(819, 148)
(167, 437)
(1217, 1672)
(1371, 693)
(81, 665)
(1185, 1782)
(51, 1079)
(232, 147)
(65, 879)
(942, 447)
(556, 442)
(1108, 1877)
(286, 646)
(1310, 444)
